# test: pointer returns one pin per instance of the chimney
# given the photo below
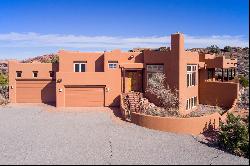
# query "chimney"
(177, 43)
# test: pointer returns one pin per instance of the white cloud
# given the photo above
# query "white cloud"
(32, 40)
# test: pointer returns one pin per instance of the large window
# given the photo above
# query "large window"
(113, 64)
(152, 69)
(191, 103)
(79, 67)
(191, 75)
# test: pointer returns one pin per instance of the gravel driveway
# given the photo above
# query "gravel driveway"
(40, 134)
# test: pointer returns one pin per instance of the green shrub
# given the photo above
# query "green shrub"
(55, 59)
(234, 136)
(3, 79)
(228, 49)
(244, 82)
(213, 49)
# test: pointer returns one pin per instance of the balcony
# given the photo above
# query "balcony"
(213, 61)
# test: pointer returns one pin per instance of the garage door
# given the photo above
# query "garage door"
(84, 96)
(35, 92)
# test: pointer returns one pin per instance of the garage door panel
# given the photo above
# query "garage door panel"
(84, 97)
(35, 92)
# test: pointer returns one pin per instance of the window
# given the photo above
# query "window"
(35, 74)
(191, 103)
(51, 73)
(19, 74)
(79, 67)
(191, 75)
(209, 73)
(112, 64)
(153, 69)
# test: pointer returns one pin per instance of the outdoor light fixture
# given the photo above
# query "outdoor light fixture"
(11, 87)
(132, 56)
(60, 90)
(107, 89)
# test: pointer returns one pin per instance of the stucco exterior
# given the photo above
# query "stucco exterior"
(130, 74)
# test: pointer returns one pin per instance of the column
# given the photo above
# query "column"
(227, 74)
(123, 75)
(231, 73)
(222, 75)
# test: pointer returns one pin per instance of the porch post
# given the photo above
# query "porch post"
(142, 80)
(231, 73)
(227, 74)
(123, 76)
(222, 75)
(213, 74)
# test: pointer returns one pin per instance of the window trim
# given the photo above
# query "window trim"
(20, 74)
(115, 64)
(50, 74)
(34, 72)
(190, 73)
(152, 72)
(80, 67)
(191, 103)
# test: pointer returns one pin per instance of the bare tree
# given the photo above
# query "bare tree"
(168, 98)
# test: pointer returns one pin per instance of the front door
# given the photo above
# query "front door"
(133, 81)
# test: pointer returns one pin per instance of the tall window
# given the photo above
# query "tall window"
(191, 103)
(35, 74)
(191, 75)
(152, 69)
(18, 73)
(112, 64)
(209, 73)
(79, 67)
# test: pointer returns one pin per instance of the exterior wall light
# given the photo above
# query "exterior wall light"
(11, 87)
(59, 80)
(107, 89)
(60, 90)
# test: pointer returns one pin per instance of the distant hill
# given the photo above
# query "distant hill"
(47, 58)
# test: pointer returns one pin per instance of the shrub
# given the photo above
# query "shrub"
(168, 98)
(234, 136)
(3, 79)
(213, 49)
(228, 49)
(55, 59)
(243, 81)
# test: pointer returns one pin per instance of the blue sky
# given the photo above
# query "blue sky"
(34, 27)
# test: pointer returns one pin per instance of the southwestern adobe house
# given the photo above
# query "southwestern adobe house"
(98, 79)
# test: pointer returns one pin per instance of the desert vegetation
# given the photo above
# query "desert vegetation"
(167, 101)
(233, 135)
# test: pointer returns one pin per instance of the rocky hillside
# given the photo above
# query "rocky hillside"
(48, 58)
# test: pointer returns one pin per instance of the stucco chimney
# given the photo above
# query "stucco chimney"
(177, 43)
